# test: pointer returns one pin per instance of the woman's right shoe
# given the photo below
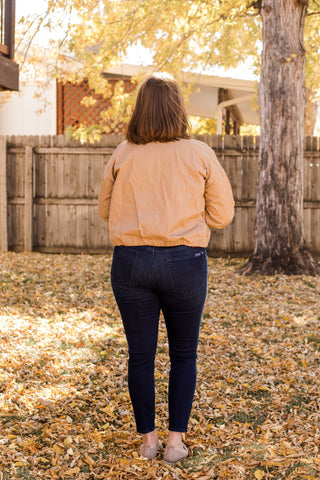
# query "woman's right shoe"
(173, 455)
(150, 452)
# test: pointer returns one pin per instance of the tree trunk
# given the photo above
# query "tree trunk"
(280, 245)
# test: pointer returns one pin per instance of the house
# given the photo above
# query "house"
(229, 100)
(213, 97)
(9, 70)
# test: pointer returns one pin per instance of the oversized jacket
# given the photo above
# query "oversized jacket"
(164, 194)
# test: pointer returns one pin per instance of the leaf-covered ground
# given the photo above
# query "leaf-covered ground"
(65, 410)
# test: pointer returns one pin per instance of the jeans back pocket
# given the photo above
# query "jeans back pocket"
(123, 264)
(188, 272)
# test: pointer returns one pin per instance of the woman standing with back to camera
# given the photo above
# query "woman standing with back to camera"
(161, 193)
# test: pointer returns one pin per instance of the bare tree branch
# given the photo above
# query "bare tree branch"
(32, 38)
(37, 17)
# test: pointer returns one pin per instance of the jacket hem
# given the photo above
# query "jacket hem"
(157, 243)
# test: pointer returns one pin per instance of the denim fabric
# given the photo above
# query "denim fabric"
(145, 280)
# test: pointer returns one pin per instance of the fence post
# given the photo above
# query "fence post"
(3, 196)
(28, 199)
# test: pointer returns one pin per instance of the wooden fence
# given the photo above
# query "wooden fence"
(49, 188)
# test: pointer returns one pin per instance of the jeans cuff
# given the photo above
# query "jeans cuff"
(146, 430)
(177, 429)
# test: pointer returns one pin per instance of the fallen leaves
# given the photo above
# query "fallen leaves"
(259, 474)
(65, 408)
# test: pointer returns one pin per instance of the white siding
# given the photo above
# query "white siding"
(204, 103)
(18, 116)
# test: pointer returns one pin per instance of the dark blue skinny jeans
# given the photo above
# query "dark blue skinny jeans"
(146, 280)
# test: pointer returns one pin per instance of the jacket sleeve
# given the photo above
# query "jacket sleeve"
(105, 192)
(219, 202)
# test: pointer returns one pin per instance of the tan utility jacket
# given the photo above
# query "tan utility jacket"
(164, 194)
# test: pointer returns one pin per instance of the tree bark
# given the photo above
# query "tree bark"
(280, 245)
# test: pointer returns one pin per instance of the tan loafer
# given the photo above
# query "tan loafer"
(173, 455)
(150, 452)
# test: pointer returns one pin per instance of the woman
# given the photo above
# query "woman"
(161, 193)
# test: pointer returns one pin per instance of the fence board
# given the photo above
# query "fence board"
(3, 196)
(15, 174)
(314, 230)
(16, 226)
(40, 225)
(40, 165)
(28, 199)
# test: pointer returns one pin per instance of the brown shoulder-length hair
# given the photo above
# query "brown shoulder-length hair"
(159, 114)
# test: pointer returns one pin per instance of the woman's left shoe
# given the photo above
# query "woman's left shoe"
(150, 452)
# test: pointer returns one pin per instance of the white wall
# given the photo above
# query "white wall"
(204, 103)
(18, 115)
